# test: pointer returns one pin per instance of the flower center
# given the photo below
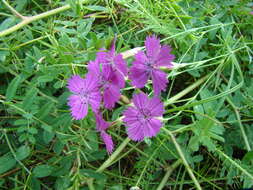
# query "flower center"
(144, 114)
(84, 95)
(150, 65)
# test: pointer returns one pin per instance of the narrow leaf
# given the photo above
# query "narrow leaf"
(12, 88)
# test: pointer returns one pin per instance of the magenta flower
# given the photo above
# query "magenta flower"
(85, 92)
(147, 65)
(251, 12)
(142, 118)
(115, 62)
(108, 82)
(108, 141)
(101, 126)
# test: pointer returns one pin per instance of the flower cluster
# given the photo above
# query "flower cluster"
(101, 88)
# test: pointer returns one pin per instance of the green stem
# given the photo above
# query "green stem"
(90, 184)
(14, 154)
(181, 154)
(240, 124)
(13, 10)
(168, 173)
(28, 20)
(109, 161)
(186, 91)
(235, 164)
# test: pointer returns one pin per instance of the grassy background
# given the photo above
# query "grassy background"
(41, 147)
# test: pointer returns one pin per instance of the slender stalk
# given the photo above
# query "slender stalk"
(240, 124)
(181, 154)
(13, 10)
(235, 164)
(28, 20)
(90, 184)
(186, 91)
(109, 161)
(14, 154)
(168, 173)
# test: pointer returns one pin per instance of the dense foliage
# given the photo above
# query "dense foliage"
(206, 140)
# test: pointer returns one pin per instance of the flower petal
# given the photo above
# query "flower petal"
(75, 84)
(111, 96)
(91, 82)
(95, 100)
(78, 106)
(108, 141)
(103, 56)
(139, 75)
(135, 132)
(140, 58)
(115, 76)
(140, 100)
(156, 107)
(165, 58)
(120, 64)
(130, 115)
(160, 81)
(101, 124)
(152, 127)
(94, 68)
(153, 47)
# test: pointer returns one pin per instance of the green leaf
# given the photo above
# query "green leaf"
(84, 26)
(9, 162)
(12, 88)
(7, 23)
(21, 4)
(248, 157)
(42, 171)
(96, 8)
(31, 139)
(3, 55)
(116, 114)
(66, 30)
(92, 174)
(62, 183)
(63, 166)
(194, 143)
(206, 131)
(21, 122)
(76, 6)
(29, 98)
(58, 147)
(23, 152)
(32, 130)
(47, 128)
(116, 187)
(45, 78)
(45, 110)
(2, 182)
(48, 136)
(35, 184)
